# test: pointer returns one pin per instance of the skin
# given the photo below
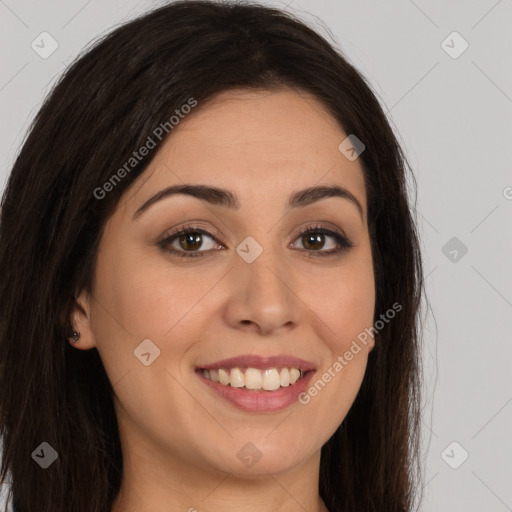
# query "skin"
(179, 440)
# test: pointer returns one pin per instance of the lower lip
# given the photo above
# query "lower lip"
(260, 401)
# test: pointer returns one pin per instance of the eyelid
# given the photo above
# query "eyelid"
(192, 226)
(318, 224)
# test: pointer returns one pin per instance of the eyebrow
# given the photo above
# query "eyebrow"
(222, 197)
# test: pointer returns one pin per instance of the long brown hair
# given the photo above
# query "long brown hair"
(103, 108)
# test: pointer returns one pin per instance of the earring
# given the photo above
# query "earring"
(75, 337)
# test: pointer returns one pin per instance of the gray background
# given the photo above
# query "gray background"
(454, 118)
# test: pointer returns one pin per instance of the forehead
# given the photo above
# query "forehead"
(258, 144)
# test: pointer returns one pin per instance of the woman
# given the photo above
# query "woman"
(211, 278)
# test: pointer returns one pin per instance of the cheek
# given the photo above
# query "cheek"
(145, 297)
(345, 313)
(356, 310)
(140, 298)
(345, 302)
(346, 309)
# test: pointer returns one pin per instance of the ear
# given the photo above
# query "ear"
(81, 322)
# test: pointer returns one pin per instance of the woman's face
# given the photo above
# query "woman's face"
(254, 285)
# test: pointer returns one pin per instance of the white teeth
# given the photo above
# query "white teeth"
(223, 377)
(269, 379)
(236, 378)
(253, 378)
(285, 377)
(294, 375)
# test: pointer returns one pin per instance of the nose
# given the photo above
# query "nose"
(263, 299)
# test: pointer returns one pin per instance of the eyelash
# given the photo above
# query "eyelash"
(343, 242)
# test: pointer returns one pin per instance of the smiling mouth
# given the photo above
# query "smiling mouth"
(254, 379)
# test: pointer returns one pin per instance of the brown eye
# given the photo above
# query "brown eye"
(313, 240)
(187, 241)
(190, 241)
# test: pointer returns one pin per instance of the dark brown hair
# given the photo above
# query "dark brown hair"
(102, 109)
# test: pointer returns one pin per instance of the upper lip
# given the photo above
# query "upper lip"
(261, 362)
